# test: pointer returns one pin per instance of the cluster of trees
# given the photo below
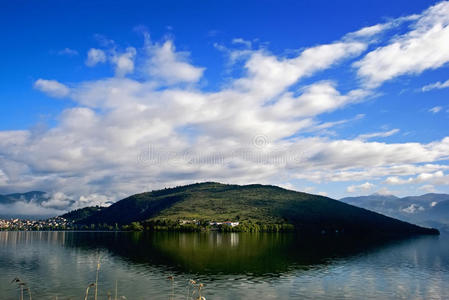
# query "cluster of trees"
(172, 225)
(101, 227)
(175, 225)
(258, 227)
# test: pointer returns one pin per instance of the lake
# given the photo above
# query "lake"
(60, 265)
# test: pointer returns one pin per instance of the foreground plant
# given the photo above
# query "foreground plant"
(172, 279)
(87, 290)
(197, 287)
(23, 287)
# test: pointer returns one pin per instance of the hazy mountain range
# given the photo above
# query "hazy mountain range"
(34, 204)
(426, 210)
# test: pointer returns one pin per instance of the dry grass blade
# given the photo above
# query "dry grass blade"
(172, 279)
(87, 290)
(23, 287)
(96, 278)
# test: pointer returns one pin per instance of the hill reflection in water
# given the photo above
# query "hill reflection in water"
(227, 253)
(232, 265)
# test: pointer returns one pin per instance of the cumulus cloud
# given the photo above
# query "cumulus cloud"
(171, 66)
(395, 180)
(364, 187)
(153, 126)
(124, 62)
(28, 209)
(436, 177)
(412, 52)
(413, 208)
(95, 56)
(315, 99)
(57, 200)
(269, 75)
(52, 88)
(429, 188)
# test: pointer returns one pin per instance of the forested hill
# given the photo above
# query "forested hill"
(261, 204)
(82, 213)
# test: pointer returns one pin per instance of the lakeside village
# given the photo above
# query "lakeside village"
(56, 223)
(59, 223)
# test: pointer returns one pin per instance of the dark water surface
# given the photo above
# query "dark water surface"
(231, 266)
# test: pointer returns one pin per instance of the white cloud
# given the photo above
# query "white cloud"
(436, 85)
(57, 200)
(373, 30)
(68, 52)
(413, 208)
(384, 191)
(436, 177)
(369, 31)
(429, 176)
(3, 178)
(52, 88)
(429, 188)
(316, 99)
(395, 180)
(288, 186)
(243, 42)
(268, 75)
(171, 66)
(21, 208)
(435, 109)
(124, 62)
(128, 135)
(368, 136)
(364, 187)
(425, 47)
(95, 56)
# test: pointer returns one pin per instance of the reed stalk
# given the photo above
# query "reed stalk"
(23, 287)
(87, 290)
(96, 278)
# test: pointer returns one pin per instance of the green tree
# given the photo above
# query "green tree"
(135, 226)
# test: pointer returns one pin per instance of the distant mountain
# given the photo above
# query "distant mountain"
(252, 203)
(34, 204)
(33, 196)
(426, 210)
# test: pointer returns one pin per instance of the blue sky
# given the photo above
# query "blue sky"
(339, 98)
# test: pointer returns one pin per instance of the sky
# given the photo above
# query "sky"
(103, 99)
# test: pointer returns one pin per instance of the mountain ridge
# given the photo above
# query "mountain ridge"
(262, 204)
(430, 209)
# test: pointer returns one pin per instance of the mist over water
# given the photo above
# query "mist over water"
(231, 265)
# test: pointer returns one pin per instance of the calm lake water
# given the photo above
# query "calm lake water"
(231, 266)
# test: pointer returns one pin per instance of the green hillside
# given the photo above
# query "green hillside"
(260, 204)
(82, 213)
